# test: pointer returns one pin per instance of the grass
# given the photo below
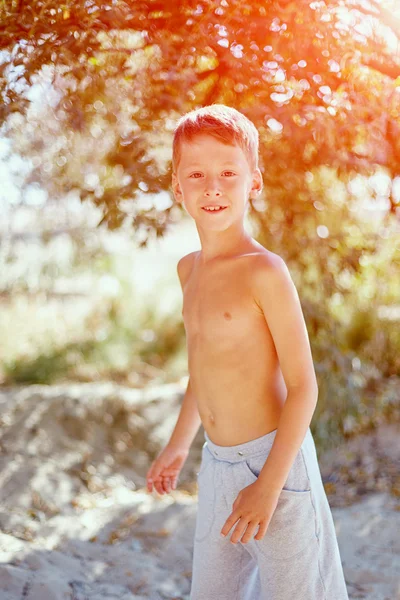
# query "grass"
(111, 339)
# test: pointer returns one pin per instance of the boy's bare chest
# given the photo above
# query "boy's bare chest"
(219, 307)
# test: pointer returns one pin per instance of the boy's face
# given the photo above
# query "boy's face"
(211, 173)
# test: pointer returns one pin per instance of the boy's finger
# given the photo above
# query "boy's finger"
(159, 487)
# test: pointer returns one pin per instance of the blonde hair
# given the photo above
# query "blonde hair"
(222, 122)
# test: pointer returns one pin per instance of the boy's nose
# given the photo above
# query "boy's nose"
(210, 191)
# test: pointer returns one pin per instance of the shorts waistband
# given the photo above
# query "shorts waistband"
(239, 452)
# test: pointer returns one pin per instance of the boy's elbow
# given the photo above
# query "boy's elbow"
(315, 392)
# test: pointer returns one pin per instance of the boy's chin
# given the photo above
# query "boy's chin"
(222, 225)
(213, 227)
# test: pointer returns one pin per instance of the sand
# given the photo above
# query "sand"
(77, 523)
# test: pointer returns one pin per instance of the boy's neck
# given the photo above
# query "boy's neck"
(222, 244)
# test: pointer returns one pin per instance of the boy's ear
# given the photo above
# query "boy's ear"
(176, 188)
(257, 183)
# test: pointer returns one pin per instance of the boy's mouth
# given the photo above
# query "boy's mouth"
(213, 208)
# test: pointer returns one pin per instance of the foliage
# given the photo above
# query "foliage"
(318, 79)
(131, 355)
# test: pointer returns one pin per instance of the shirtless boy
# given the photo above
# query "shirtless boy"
(251, 384)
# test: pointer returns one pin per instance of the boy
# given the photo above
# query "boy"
(251, 384)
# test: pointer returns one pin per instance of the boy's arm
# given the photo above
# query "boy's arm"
(276, 295)
(189, 420)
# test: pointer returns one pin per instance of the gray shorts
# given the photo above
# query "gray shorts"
(298, 557)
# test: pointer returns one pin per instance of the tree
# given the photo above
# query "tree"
(317, 78)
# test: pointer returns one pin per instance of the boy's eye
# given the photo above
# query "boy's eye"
(231, 172)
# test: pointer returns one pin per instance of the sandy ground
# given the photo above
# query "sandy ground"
(76, 522)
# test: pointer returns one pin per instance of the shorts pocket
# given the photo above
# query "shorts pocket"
(206, 460)
(206, 497)
(297, 479)
(292, 527)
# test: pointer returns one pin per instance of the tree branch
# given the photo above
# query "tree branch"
(386, 17)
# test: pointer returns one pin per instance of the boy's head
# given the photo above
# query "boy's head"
(224, 123)
(209, 143)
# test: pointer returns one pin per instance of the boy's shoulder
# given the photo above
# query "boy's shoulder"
(260, 263)
(184, 266)
(264, 260)
(268, 272)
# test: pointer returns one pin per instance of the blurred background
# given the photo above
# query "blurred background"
(90, 235)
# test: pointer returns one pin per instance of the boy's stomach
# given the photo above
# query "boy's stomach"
(237, 402)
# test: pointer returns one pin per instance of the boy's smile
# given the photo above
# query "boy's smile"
(214, 208)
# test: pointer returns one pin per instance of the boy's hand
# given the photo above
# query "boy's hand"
(164, 470)
(254, 506)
